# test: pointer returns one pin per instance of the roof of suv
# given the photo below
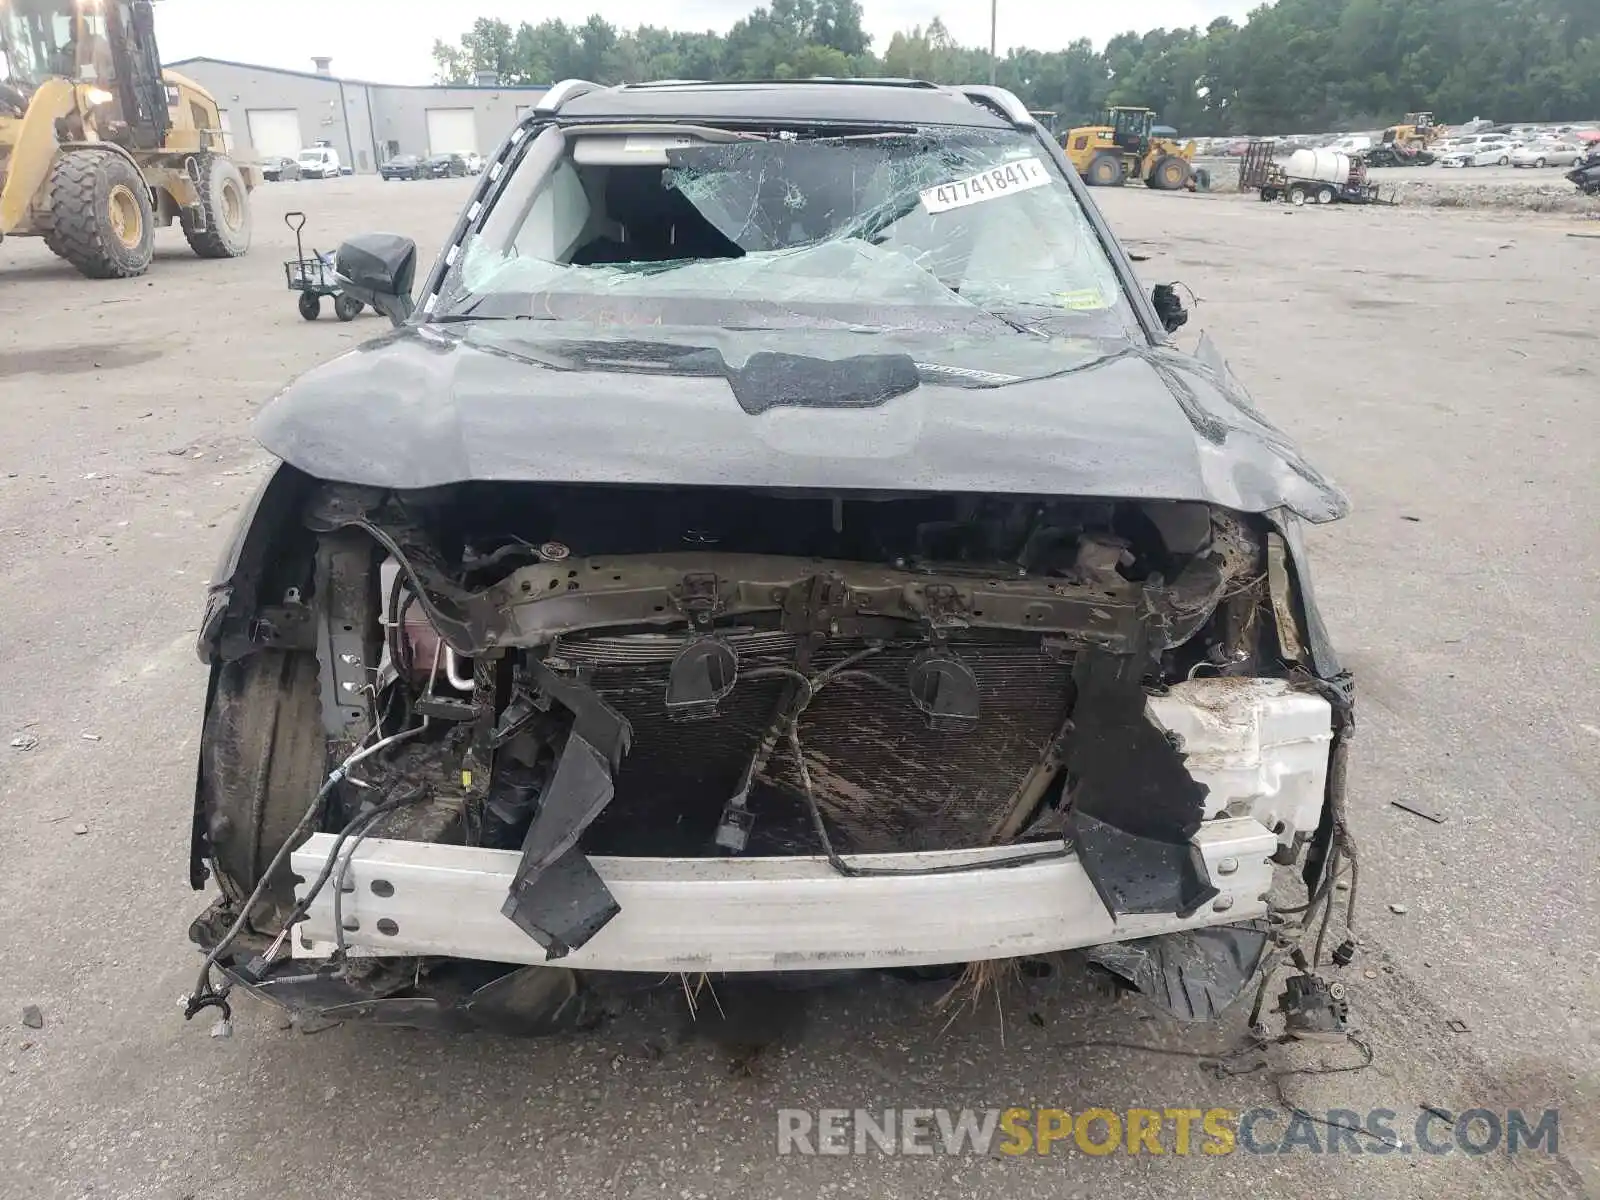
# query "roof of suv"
(897, 101)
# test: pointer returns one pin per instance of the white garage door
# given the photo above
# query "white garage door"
(452, 131)
(274, 131)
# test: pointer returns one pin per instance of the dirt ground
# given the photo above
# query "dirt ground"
(1440, 365)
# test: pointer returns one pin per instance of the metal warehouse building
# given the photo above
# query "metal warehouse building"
(270, 111)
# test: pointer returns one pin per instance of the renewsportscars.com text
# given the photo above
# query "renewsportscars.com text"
(1175, 1131)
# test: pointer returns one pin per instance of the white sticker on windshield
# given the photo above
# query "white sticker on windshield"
(999, 181)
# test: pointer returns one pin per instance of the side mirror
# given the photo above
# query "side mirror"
(1169, 307)
(378, 269)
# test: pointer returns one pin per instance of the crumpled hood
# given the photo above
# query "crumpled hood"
(518, 401)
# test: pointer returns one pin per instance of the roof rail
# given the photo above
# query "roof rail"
(851, 81)
(1000, 101)
(884, 81)
(560, 93)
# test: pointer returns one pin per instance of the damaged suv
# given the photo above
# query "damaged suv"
(780, 536)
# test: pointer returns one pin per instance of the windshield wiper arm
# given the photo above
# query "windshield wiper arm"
(1030, 327)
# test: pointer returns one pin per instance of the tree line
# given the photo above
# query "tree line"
(1294, 66)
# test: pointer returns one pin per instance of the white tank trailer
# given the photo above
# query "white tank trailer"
(1307, 176)
(1319, 166)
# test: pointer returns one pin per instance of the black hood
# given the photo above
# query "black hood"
(521, 401)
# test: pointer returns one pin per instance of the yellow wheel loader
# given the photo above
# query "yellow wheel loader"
(1125, 146)
(99, 146)
(1416, 131)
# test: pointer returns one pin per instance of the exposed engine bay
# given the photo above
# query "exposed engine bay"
(574, 675)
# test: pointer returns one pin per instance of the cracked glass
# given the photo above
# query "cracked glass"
(915, 228)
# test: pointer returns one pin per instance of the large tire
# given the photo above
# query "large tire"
(103, 221)
(1169, 174)
(1105, 170)
(262, 757)
(225, 201)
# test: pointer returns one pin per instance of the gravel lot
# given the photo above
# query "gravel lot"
(1439, 364)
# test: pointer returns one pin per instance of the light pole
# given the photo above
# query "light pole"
(994, 42)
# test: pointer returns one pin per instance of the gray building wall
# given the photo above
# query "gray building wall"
(402, 112)
(238, 87)
(367, 123)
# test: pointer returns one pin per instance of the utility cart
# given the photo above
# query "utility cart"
(313, 277)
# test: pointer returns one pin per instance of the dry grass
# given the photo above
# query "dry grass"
(691, 994)
(978, 983)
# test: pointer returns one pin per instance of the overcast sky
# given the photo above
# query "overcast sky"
(389, 40)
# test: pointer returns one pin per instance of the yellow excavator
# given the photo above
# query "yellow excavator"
(1124, 146)
(99, 146)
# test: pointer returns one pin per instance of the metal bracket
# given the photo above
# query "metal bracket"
(286, 627)
(814, 605)
(943, 607)
(346, 599)
(699, 597)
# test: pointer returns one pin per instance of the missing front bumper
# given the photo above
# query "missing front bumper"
(768, 914)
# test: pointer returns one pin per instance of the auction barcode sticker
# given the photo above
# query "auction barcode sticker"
(999, 181)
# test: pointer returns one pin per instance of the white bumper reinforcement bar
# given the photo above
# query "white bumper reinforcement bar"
(761, 914)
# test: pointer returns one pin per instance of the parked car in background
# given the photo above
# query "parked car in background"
(442, 165)
(474, 164)
(1480, 154)
(402, 166)
(1546, 154)
(319, 162)
(278, 168)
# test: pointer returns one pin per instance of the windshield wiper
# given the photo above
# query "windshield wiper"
(470, 313)
(459, 318)
(1029, 327)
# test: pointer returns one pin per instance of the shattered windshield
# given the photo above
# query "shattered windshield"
(906, 229)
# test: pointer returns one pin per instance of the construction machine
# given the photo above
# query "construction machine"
(1124, 146)
(1416, 131)
(1406, 144)
(99, 146)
